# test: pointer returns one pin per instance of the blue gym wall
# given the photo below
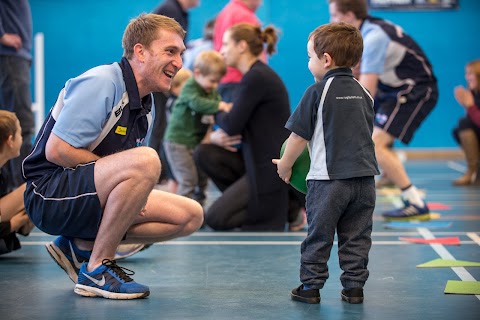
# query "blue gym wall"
(83, 34)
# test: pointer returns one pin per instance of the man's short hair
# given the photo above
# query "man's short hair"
(358, 7)
(145, 28)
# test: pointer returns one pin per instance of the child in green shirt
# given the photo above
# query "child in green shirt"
(190, 120)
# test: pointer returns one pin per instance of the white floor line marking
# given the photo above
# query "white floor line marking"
(288, 234)
(461, 272)
(245, 243)
(474, 237)
(456, 166)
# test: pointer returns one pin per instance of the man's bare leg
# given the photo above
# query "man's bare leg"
(395, 170)
(123, 181)
(167, 216)
(388, 160)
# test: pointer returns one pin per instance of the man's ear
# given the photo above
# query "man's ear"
(139, 52)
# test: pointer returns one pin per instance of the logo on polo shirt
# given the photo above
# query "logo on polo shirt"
(121, 130)
(381, 118)
(119, 111)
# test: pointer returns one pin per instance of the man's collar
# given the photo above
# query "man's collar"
(132, 89)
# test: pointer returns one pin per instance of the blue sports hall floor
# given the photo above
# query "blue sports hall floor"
(235, 275)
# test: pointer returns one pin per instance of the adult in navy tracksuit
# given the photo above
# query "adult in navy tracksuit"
(90, 176)
(399, 76)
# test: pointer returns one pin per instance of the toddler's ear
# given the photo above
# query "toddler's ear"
(328, 60)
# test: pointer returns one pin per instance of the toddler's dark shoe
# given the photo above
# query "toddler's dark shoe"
(354, 295)
(306, 296)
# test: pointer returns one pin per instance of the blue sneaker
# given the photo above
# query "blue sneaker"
(67, 256)
(109, 281)
(408, 212)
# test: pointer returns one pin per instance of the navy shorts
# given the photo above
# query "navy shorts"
(65, 202)
(401, 112)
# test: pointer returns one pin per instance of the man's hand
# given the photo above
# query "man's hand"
(11, 40)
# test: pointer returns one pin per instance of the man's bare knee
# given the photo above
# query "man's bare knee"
(147, 162)
(195, 220)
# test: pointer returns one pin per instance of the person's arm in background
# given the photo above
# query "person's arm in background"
(250, 94)
(370, 82)
(9, 39)
(221, 139)
(374, 55)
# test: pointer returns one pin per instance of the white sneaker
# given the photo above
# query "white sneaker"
(127, 250)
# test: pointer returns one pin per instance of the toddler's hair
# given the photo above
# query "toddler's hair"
(182, 75)
(342, 41)
(210, 62)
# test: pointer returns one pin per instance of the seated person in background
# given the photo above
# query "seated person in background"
(194, 47)
(190, 120)
(13, 217)
(467, 132)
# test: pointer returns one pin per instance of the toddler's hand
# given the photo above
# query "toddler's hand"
(283, 172)
(225, 106)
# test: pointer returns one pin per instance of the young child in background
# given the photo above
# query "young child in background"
(335, 117)
(13, 218)
(177, 84)
(190, 120)
(467, 132)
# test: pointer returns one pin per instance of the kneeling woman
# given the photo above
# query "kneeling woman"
(253, 197)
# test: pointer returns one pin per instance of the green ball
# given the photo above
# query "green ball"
(299, 170)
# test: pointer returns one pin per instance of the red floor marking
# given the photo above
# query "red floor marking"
(452, 241)
(438, 206)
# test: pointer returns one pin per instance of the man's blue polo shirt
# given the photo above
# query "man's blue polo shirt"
(100, 111)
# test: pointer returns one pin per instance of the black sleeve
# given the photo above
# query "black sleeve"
(303, 119)
(250, 93)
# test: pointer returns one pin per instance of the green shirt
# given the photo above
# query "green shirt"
(185, 125)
